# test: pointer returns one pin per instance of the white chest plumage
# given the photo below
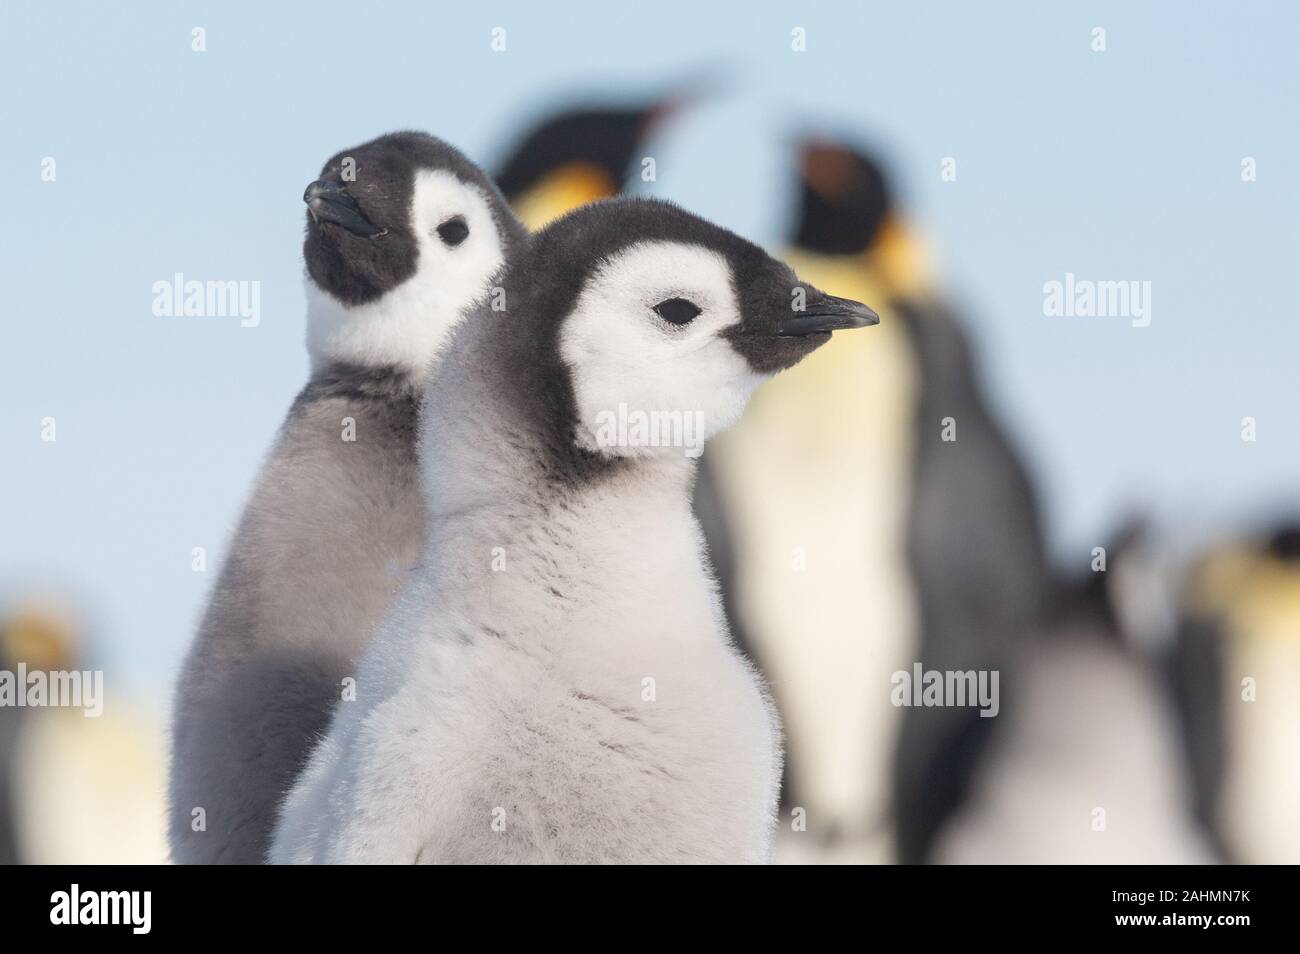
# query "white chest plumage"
(554, 689)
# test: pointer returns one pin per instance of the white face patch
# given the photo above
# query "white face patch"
(642, 384)
(409, 324)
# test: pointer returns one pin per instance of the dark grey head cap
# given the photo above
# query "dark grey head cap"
(359, 242)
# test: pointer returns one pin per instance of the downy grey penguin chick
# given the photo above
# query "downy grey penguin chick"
(556, 683)
(404, 234)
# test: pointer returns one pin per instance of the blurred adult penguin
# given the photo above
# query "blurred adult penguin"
(867, 542)
(11, 723)
(1157, 718)
(81, 784)
(582, 154)
(1097, 761)
(1237, 682)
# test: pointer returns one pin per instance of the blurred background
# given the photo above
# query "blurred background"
(944, 163)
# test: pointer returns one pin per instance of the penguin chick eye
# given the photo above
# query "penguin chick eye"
(453, 231)
(677, 311)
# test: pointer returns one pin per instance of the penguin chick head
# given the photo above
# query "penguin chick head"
(403, 236)
(660, 316)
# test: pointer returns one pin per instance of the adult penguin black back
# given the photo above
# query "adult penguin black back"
(403, 238)
(913, 549)
(979, 565)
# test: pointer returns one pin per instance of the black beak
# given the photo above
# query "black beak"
(328, 201)
(827, 313)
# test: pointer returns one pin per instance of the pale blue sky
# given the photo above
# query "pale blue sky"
(1119, 165)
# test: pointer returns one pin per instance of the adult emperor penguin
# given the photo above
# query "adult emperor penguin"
(1090, 764)
(77, 790)
(912, 548)
(583, 154)
(1156, 721)
(403, 235)
(557, 683)
(1235, 673)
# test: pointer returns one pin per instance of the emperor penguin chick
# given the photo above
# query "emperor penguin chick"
(404, 234)
(557, 683)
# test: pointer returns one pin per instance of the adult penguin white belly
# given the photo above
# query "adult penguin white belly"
(867, 542)
(815, 481)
